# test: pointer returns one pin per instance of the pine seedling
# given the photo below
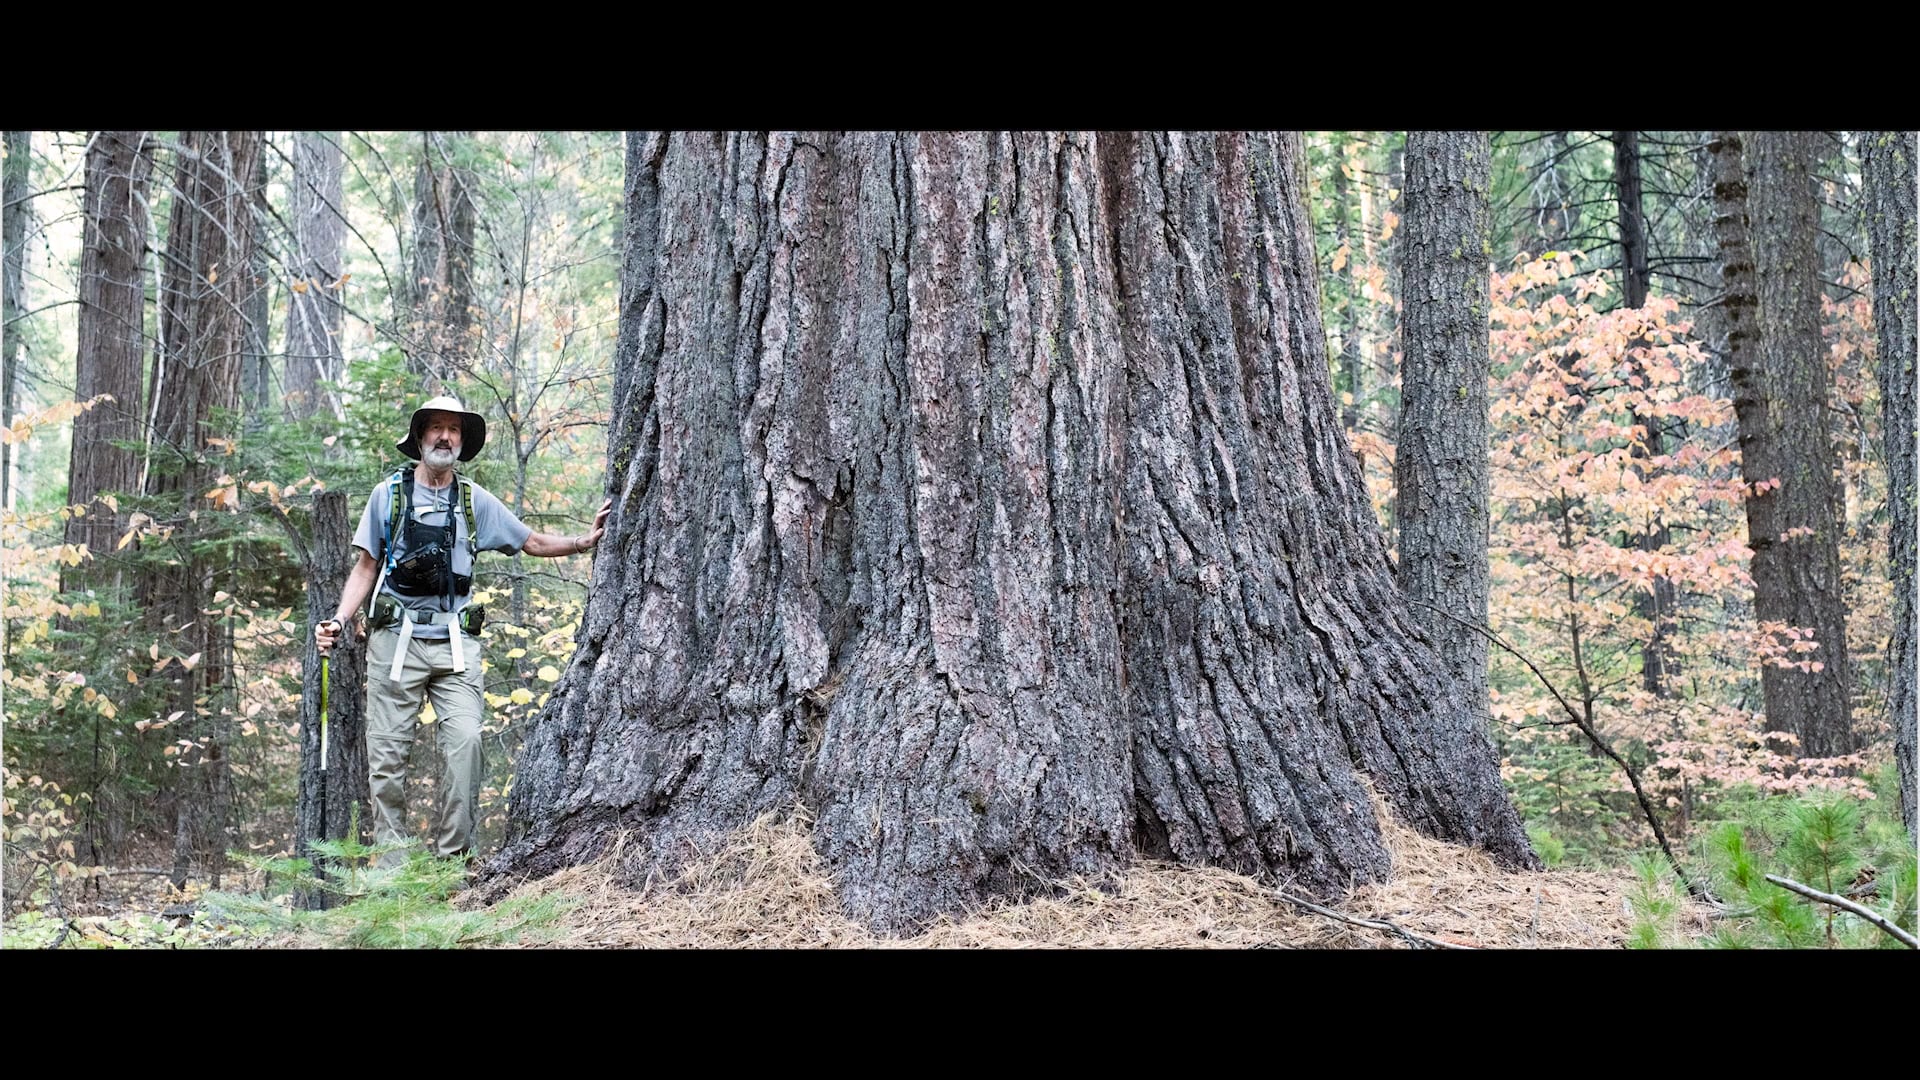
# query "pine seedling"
(1654, 904)
(1823, 847)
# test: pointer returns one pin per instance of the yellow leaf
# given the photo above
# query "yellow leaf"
(515, 654)
(520, 696)
(548, 673)
(299, 286)
(153, 651)
(107, 710)
(190, 661)
(132, 678)
(213, 273)
(127, 539)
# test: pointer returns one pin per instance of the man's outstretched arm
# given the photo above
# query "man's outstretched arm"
(553, 545)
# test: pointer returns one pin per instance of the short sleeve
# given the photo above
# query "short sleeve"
(372, 534)
(499, 529)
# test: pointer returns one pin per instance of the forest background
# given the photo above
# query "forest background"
(159, 686)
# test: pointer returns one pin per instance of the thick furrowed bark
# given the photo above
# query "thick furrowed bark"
(971, 494)
(1780, 398)
(1440, 464)
(1887, 160)
(110, 339)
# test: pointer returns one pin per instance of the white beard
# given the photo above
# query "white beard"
(438, 458)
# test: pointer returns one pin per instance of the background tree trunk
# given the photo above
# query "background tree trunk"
(460, 220)
(314, 315)
(441, 282)
(429, 249)
(1352, 366)
(205, 288)
(1657, 663)
(256, 367)
(1887, 160)
(326, 800)
(1781, 400)
(111, 337)
(15, 183)
(987, 495)
(1440, 468)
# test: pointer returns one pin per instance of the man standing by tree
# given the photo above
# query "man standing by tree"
(425, 530)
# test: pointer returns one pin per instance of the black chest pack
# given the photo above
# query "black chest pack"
(421, 563)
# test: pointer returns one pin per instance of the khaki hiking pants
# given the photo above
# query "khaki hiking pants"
(393, 710)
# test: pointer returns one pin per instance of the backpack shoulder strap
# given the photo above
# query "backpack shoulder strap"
(466, 505)
(399, 490)
(397, 487)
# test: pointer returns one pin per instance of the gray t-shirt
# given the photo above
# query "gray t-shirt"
(499, 531)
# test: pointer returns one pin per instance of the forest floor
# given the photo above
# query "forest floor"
(767, 888)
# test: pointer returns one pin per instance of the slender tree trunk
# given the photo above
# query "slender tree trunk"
(1887, 160)
(1780, 399)
(1352, 368)
(111, 339)
(1440, 468)
(442, 278)
(327, 799)
(460, 220)
(15, 182)
(205, 287)
(256, 367)
(1657, 662)
(426, 284)
(986, 495)
(314, 315)
(1559, 221)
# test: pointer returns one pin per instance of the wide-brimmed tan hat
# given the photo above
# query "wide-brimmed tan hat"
(473, 428)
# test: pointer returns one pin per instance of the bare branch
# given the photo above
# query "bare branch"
(1845, 904)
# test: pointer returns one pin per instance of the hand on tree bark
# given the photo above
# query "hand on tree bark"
(599, 527)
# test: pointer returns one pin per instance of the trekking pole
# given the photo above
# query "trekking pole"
(323, 712)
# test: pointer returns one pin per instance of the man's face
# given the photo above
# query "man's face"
(440, 438)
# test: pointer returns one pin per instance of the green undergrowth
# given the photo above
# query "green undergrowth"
(1835, 844)
(407, 905)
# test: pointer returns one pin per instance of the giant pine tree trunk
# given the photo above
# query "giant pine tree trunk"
(1780, 397)
(314, 353)
(111, 337)
(1440, 470)
(986, 495)
(1887, 160)
(15, 183)
(205, 289)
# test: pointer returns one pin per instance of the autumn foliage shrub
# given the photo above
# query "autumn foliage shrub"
(1615, 479)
